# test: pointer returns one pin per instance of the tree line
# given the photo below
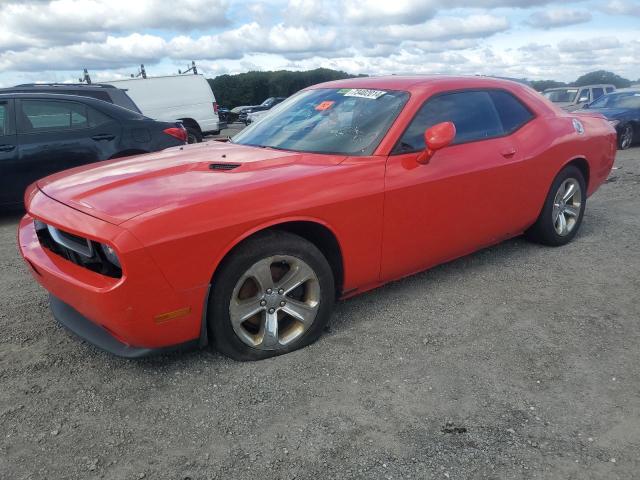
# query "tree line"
(252, 88)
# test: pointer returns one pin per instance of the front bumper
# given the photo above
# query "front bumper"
(131, 308)
(89, 331)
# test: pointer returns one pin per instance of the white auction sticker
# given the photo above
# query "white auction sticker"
(362, 93)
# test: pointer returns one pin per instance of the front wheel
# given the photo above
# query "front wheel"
(563, 209)
(273, 295)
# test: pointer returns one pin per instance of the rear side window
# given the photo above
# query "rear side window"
(610, 89)
(596, 93)
(97, 118)
(472, 112)
(4, 116)
(43, 115)
(513, 114)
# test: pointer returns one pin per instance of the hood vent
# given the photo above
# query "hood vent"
(223, 166)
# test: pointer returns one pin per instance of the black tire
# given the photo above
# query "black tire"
(259, 247)
(193, 135)
(544, 230)
(625, 139)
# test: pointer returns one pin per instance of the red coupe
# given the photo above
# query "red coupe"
(343, 187)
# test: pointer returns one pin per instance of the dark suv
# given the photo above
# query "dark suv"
(106, 93)
(41, 134)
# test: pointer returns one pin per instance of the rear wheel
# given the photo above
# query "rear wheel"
(193, 135)
(563, 210)
(625, 139)
(273, 295)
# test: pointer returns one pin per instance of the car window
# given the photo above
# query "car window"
(473, 113)
(4, 115)
(610, 89)
(583, 96)
(349, 121)
(596, 93)
(618, 100)
(562, 95)
(43, 115)
(97, 118)
(513, 114)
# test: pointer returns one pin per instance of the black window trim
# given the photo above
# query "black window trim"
(10, 120)
(465, 90)
(38, 131)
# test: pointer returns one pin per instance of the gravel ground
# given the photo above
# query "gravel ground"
(519, 361)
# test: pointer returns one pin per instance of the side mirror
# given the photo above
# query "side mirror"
(436, 138)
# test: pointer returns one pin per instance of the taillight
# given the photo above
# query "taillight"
(177, 132)
(215, 107)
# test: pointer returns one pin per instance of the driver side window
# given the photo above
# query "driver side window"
(472, 112)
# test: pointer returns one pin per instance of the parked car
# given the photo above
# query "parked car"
(43, 133)
(347, 186)
(573, 98)
(243, 111)
(107, 93)
(255, 116)
(187, 98)
(622, 109)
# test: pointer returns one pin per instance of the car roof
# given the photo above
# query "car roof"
(411, 82)
(573, 87)
(53, 86)
(100, 104)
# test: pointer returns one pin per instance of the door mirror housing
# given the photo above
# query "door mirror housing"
(436, 138)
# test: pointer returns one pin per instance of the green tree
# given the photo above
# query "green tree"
(252, 88)
(542, 85)
(602, 76)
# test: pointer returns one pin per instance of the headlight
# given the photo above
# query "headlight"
(614, 123)
(110, 254)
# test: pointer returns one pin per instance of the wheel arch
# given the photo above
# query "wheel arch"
(314, 230)
(581, 164)
(190, 122)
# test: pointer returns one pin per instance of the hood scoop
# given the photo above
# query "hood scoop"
(223, 166)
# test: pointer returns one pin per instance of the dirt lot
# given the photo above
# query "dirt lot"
(517, 362)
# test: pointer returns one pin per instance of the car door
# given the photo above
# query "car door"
(55, 135)
(9, 192)
(465, 198)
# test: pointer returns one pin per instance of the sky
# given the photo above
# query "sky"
(53, 40)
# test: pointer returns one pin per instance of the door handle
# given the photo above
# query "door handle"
(103, 136)
(508, 152)
(7, 148)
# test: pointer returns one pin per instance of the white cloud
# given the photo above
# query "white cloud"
(559, 17)
(49, 39)
(622, 7)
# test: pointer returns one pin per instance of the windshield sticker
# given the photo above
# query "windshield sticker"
(362, 93)
(326, 105)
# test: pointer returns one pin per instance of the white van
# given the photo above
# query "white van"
(176, 97)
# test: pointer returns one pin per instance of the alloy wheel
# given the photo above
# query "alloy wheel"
(626, 137)
(567, 206)
(275, 302)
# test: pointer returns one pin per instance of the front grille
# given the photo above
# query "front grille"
(81, 251)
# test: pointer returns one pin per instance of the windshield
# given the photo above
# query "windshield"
(345, 121)
(561, 96)
(618, 100)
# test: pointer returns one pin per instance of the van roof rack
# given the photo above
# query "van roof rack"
(63, 85)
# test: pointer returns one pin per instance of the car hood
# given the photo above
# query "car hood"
(119, 190)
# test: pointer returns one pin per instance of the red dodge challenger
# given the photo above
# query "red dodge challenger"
(345, 186)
